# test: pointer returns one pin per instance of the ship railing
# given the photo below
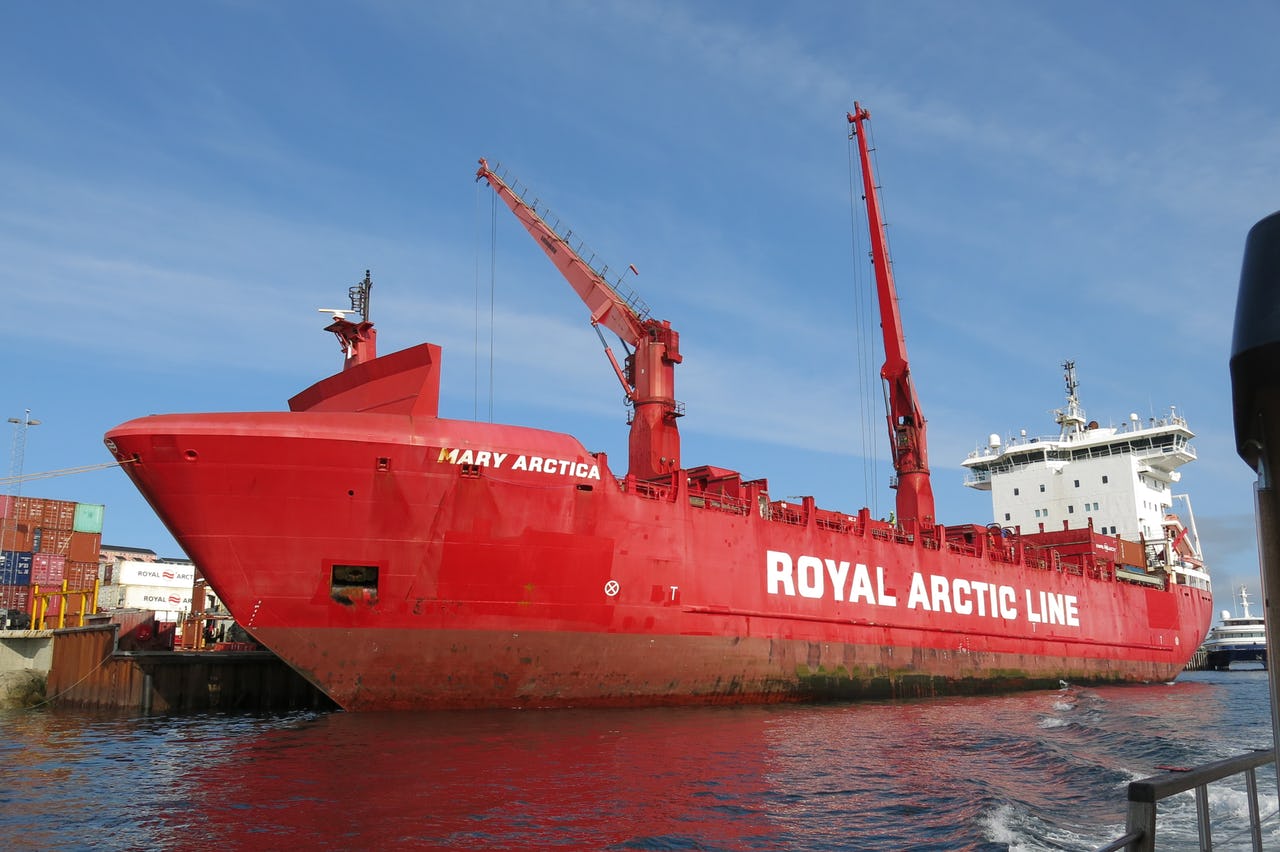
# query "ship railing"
(1141, 446)
(962, 549)
(651, 490)
(891, 533)
(834, 521)
(1145, 796)
(780, 510)
(719, 502)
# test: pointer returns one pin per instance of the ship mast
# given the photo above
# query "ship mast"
(359, 340)
(1071, 418)
(649, 377)
(906, 420)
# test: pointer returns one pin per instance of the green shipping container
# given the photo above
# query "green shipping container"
(88, 518)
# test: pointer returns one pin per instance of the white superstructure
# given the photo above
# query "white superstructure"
(1119, 480)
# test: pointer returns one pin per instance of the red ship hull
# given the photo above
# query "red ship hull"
(402, 560)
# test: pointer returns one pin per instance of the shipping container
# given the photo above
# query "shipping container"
(81, 575)
(54, 541)
(168, 574)
(15, 568)
(84, 547)
(48, 568)
(163, 598)
(29, 509)
(6, 505)
(15, 535)
(88, 518)
(15, 598)
(59, 515)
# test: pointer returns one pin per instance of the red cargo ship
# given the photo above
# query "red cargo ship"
(399, 559)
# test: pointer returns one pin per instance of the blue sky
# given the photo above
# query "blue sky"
(182, 185)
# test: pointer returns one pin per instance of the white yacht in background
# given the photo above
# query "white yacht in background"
(1238, 639)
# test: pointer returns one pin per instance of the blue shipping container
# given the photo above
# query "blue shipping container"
(15, 568)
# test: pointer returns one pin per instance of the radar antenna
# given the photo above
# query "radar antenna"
(357, 339)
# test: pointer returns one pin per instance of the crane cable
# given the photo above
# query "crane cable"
(493, 277)
(864, 319)
(7, 481)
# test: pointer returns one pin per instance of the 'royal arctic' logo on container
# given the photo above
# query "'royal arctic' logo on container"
(133, 573)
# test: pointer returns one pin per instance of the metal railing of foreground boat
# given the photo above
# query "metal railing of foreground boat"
(1145, 795)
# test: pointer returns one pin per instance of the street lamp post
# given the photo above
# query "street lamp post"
(8, 562)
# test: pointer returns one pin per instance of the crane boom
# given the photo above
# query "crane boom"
(907, 438)
(649, 376)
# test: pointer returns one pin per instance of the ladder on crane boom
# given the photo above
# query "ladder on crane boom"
(649, 376)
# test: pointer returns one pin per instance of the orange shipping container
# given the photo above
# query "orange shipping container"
(15, 597)
(58, 514)
(15, 535)
(29, 509)
(85, 547)
(55, 541)
(80, 575)
(1132, 553)
(6, 505)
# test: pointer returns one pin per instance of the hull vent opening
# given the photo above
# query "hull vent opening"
(350, 585)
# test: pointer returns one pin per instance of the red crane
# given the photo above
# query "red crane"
(649, 377)
(906, 420)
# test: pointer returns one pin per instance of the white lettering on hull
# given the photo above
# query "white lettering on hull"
(816, 578)
(782, 574)
(532, 464)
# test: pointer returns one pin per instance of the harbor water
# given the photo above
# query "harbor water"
(1029, 771)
